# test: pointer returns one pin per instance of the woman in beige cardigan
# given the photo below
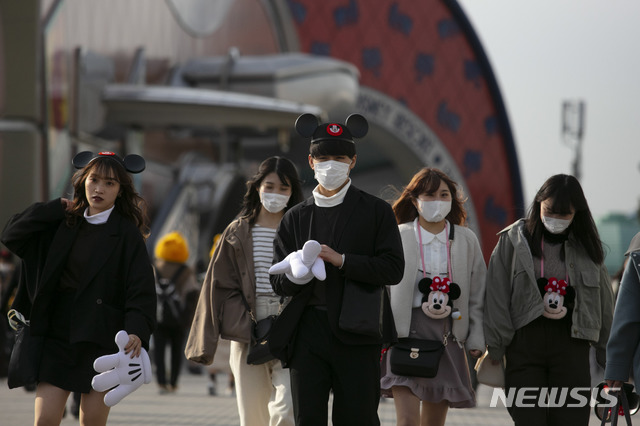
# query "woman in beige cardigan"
(436, 244)
(237, 277)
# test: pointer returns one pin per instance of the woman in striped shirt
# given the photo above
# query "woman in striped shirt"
(237, 291)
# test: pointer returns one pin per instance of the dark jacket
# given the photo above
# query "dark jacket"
(118, 290)
(368, 235)
(623, 348)
(186, 287)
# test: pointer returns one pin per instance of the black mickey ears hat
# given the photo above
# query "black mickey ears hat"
(132, 163)
(356, 126)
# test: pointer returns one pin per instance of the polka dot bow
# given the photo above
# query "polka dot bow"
(440, 284)
(556, 286)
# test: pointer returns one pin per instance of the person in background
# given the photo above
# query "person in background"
(7, 267)
(237, 277)
(177, 292)
(86, 276)
(436, 243)
(360, 245)
(548, 299)
(623, 347)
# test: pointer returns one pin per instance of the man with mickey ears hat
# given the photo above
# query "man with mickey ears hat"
(360, 247)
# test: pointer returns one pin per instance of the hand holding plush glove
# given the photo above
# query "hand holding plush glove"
(303, 265)
(121, 372)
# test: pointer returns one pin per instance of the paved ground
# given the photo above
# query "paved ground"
(192, 405)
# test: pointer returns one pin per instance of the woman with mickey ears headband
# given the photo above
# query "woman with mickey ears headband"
(548, 299)
(86, 276)
(236, 291)
(443, 262)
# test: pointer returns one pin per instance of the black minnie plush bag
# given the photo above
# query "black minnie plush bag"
(416, 357)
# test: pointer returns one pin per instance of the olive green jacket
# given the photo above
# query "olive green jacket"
(513, 300)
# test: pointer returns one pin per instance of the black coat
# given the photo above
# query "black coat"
(367, 233)
(118, 287)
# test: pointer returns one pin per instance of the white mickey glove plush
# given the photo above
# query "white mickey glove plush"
(121, 372)
(302, 265)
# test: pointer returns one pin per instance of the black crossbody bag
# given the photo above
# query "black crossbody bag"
(417, 357)
(259, 346)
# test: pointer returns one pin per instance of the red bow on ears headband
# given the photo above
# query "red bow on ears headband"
(556, 286)
(440, 284)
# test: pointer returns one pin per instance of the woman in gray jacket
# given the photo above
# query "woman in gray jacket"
(436, 245)
(548, 298)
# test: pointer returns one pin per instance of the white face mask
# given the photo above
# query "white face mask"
(5, 267)
(273, 202)
(556, 226)
(331, 174)
(434, 211)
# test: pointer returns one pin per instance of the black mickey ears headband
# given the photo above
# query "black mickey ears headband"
(308, 125)
(132, 163)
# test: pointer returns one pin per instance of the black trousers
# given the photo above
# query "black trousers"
(320, 364)
(174, 337)
(543, 354)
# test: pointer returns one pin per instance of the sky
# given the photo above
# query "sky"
(545, 52)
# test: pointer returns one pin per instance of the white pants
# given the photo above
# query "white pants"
(263, 392)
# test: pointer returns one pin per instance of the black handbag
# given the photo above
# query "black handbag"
(259, 349)
(26, 354)
(259, 352)
(362, 309)
(416, 357)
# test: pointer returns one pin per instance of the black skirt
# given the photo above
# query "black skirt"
(66, 365)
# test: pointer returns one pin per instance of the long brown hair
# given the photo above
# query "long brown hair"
(427, 181)
(128, 203)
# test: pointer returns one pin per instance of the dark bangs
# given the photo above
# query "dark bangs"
(561, 203)
(332, 147)
(565, 191)
(107, 168)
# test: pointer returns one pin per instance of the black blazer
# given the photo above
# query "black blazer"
(367, 233)
(118, 288)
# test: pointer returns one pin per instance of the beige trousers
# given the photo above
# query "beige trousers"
(263, 392)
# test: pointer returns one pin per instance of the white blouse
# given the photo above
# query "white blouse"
(434, 248)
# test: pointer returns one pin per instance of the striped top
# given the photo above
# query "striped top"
(262, 257)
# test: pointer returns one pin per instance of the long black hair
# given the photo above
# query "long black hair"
(288, 175)
(128, 203)
(565, 193)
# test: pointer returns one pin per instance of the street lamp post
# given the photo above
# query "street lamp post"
(573, 118)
